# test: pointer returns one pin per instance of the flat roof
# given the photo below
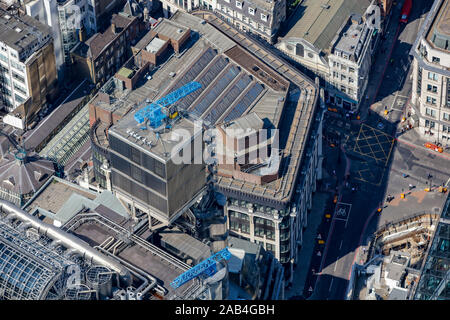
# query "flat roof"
(317, 21)
(237, 78)
(234, 83)
(186, 244)
(170, 29)
(23, 33)
(439, 31)
(55, 193)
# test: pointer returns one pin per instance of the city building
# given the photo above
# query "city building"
(99, 57)
(430, 99)
(435, 272)
(349, 61)
(21, 174)
(70, 19)
(28, 72)
(237, 88)
(334, 41)
(255, 274)
(261, 17)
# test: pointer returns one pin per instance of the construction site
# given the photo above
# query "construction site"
(395, 258)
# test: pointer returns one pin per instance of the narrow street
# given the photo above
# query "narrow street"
(368, 153)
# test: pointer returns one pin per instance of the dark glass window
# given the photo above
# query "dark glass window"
(154, 183)
(120, 164)
(119, 146)
(148, 163)
(137, 174)
(159, 169)
(135, 155)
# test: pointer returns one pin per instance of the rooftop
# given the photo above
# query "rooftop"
(439, 32)
(186, 244)
(24, 34)
(317, 21)
(235, 82)
(24, 177)
(55, 193)
(95, 45)
(38, 135)
(351, 39)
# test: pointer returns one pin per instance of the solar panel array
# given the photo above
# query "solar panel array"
(245, 102)
(217, 111)
(216, 90)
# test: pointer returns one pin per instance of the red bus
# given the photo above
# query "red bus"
(406, 9)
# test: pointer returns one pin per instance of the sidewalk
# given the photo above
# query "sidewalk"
(302, 268)
(379, 67)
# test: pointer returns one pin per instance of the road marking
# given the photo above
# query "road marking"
(335, 265)
(340, 246)
(329, 290)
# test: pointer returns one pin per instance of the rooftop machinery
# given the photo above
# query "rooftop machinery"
(159, 110)
(206, 267)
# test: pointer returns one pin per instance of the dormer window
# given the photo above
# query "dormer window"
(239, 4)
(263, 17)
(251, 11)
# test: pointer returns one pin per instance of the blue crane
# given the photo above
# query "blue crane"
(206, 267)
(156, 112)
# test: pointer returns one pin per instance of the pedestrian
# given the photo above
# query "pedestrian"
(410, 186)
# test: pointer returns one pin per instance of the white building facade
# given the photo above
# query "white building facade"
(430, 99)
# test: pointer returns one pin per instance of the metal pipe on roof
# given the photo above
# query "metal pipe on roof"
(66, 239)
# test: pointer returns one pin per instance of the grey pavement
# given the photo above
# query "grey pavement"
(309, 237)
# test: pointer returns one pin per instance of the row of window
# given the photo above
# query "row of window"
(138, 174)
(343, 77)
(245, 19)
(239, 4)
(137, 157)
(343, 67)
(432, 113)
(136, 191)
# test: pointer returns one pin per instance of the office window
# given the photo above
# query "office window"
(433, 76)
(431, 88)
(20, 89)
(431, 100)
(446, 128)
(159, 169)
(137, 174)
(343, 67)
(19, 99)
(430, 112)
(350, 79)
(270, 248)
(446, 116)
(18, 77)
(343, 89)
(351, 70)
(430, 124)
(343, 77)
(436, 59)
